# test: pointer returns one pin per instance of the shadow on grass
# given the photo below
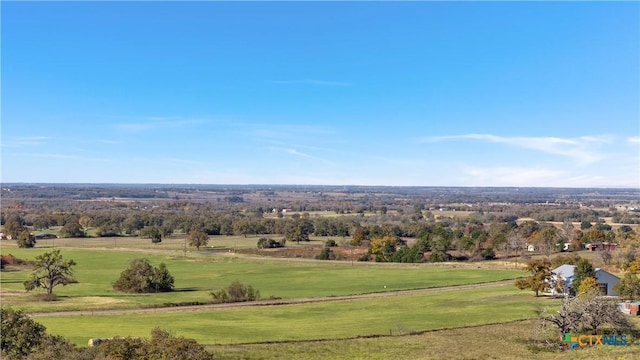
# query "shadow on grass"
(186, 289)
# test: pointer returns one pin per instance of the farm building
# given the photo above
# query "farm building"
(599, 246)
(630, 307)
(606, 281)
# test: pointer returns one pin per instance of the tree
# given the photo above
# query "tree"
(298, 229)
(599, 310)
(152, 232)
(588, 310)
(72, 229)
(583, 269)
(26, 240)
(516, 242)
(585, 224)
(593, 235)
(540, 273)
(142, 277)
(84, 221)
(50, 270)
(588, 284)
(358, 236)
(566, 319)
(198, 238)
(13, 225)
(634, 267)
(628, 287)
(20, 335)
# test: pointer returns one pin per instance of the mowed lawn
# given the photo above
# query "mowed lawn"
(195, 278)
(328, 320)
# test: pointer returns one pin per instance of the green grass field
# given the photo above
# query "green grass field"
(456, 323)
(197, 277)
(510, 340)
(329, 320)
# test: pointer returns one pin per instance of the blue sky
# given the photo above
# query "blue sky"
(383, 93)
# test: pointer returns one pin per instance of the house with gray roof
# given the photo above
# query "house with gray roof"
(564, 273)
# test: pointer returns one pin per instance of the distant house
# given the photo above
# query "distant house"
(600, 246)
(532, 247)
(606, 281)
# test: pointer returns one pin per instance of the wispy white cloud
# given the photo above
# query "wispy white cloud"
(634, 140)
(26, 141)
(286, 132)
(156, 123)
(295, 152)
(313, 82)
(583, 149)
(58, 156)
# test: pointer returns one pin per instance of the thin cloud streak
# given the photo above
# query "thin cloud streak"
(295, 152)
(634, 140)
(27, 141)
(581, 148)
(313, 82)
(156, 124)
(58, 156)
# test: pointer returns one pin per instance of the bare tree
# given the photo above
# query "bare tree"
(516, 242)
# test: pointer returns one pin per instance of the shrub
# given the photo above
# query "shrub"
(364, 257)
(268, 243)
(141, 277)
(326, 254)
(330, 243)
(236, 292)
(488, 254)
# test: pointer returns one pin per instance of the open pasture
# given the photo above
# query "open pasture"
(328, 320)
(510, 340)
(196, 276)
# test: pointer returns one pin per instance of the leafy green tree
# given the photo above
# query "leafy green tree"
(142, 277)
(585, 225)
(50, 270)
(583, 269)
(13, 225)
(593, 235)
(628, 287)
(20, 335)
(152, 232)
(26, 240)
(198, 238)
(537, 281)
(71, 229)
(298, 229)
